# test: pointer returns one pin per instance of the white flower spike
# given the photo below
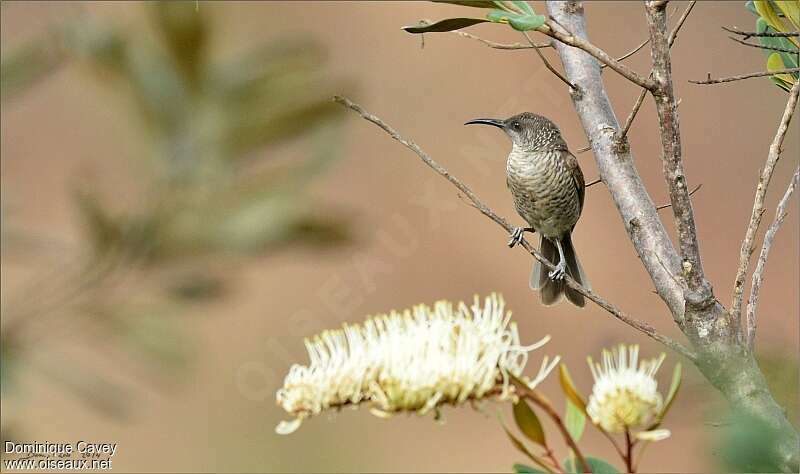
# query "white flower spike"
(411, 361)
(625, 393)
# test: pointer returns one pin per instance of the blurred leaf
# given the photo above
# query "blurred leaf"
(673, 390)
(525, 469)
(598, 466)
(528, 422)
(449, 24)
(185, 32)
(575, 420)
(28, 64)
(197, 286)
(750, 6)
(569, 388)
(749, 444)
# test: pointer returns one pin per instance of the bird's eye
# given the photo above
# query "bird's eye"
(516, 125)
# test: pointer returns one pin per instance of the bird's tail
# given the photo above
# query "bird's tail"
(552, 291)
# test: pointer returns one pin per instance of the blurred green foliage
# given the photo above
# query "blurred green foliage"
(210, 187)
(781, 16)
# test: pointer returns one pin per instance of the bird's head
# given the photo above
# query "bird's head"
(528, 131)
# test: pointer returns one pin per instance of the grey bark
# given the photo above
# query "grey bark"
(678, 278)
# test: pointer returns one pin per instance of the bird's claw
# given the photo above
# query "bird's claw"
(516, 236)
(559, 272)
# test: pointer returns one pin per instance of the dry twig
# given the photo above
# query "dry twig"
(758, 203)
(488, 212)
(720, 80)
(758, 274)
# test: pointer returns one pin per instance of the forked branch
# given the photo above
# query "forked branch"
(488, 212)
(758, 207)
(758, 274)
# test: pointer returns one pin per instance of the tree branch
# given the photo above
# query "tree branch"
(640, 100)
(511, 46)
(669, 128)
(758, 274)
(758, 204)
(765, 34)
(769, 48)
(488, 212)
(616, 165)
(741, 77)
(557, 32)
(572, 86)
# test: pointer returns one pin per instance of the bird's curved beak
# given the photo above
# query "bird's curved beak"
(485, 121)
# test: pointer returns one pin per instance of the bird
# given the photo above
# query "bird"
(548, 188)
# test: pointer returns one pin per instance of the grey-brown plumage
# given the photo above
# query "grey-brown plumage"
(548, 188)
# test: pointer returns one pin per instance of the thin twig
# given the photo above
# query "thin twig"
(488, 212)
(761, 46)
(592, 183)
(765, 34)
(494, 45)
(758, 274)
(630, 53)
(547, 64)
(640, 100)
(696, 188)
(629, 451)
(758, 203)
(558, 32)
(720, 80)
(539, 400)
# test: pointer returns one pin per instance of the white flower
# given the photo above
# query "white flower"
(413, 360)
(625, 393)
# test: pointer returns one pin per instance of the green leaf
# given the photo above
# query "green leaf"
(569, 388)
(500, 16)
(524, 469)
(575, 420)
(598, 466)
(450, 24)
(791, 10)
(28, 64)
(523, 7)
(775, 63)
(767, 12)
(529, 423)
(527, 22)
(524, 450)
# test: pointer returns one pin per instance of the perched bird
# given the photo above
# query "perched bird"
(548, 189)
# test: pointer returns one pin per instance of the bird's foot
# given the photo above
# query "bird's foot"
(517, 235)
(559, 272)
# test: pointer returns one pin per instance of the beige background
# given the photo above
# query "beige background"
(417, 241)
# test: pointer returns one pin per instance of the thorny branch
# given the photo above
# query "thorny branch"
(758, 208)
(488, 212)
(758, 274)
(770, 48)
(720, 80)
(765, 34)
